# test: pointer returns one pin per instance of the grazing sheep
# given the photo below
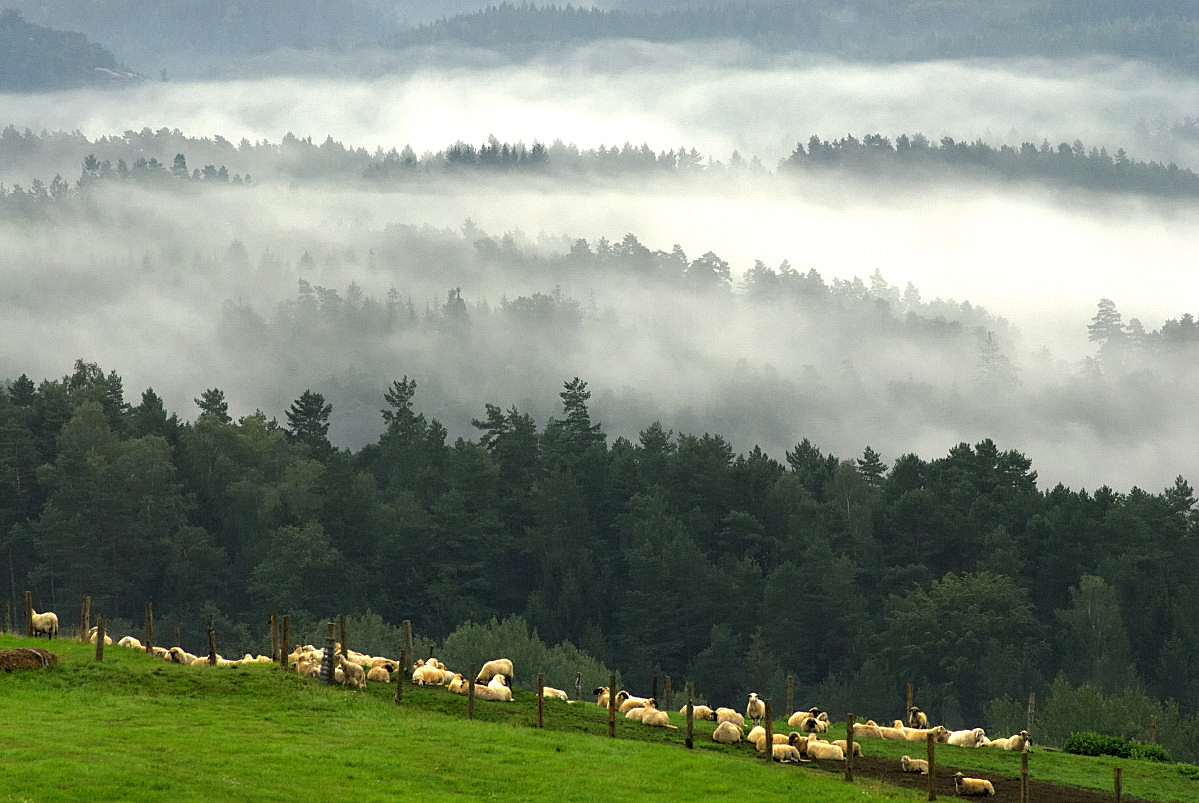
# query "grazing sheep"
(917, 718)
(500, 666)
(755, 709)
(844, 743)
(355, 675)
(816, 748)
(967, 738)
(729, 715)
(727, 732)
(910, 764)
(1019, 742)
(699, 712)
(378, 674)
(45, 624)
(972, 786)
(867, 730)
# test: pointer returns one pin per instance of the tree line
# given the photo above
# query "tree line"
(668, 552)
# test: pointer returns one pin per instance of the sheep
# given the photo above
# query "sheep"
(355, 675)
(814, 713)
(815, 748)
(811, 724)
(785, 753)
(1018, 742)
(161, 652)
(601, 696)
(499, 689)
(727, 732)
(457, 684)
(729, 715)
(91, 635)
(910, 764)
(626, 702)
(428, 675)
(654, 718)
(921, 734)
(177, 655)
(966, 738)
(917, 718)
(759, 740)
(493, 693)
(550, 693)
(867, 730)
(755, 709)
(699, 712)
(45, 624)
(972, 786)
(130, 642)
(844, 743)
(755, 733)
(378, 674)
(635, 714)
(500, 666)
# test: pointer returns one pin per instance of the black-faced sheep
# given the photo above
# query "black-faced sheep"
(755, 709)
(626, 702)
(500, 666)
(972, 786)
(917, 718)
(601, 696)
(45, 624)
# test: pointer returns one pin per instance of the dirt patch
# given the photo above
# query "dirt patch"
(27, 658)
(1007, 789)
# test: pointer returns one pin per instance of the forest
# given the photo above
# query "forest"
(669, 553)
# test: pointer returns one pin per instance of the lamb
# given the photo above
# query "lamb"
(910, 764)
(843, 744)
(967, 738)
(729, 715)
(815, 748)
(785, 753)
(500, 666)
(355, 675)
(972, 786)
(378, 674)
(1018, 742)
(917, 718)
(727, 732)
(755, 709)
(45, 624)
(699, 712)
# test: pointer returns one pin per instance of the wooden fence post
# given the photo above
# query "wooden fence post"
(1032, 711)
(342, 625)
(932, 767)
(8, 616)
(540, 698)
(667, 693)
(274, 639)
(690, 715)
(149, 627)
(769, 734)
(406, 626)
(85, 617)
(578, 685)
(1152, 730)
(178, 637)
(326, 673)
(100, 638)
(612, 706)
(211, 642)
(790, 694)
(1024, 777)
(849, 720)
(1119, 792)
(29, 614)
(911, 701)
(399, 698)
(470, 693)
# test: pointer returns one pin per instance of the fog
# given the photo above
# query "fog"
(146, 283)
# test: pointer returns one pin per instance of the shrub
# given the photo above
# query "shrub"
(1150, 752)
(1086, 743)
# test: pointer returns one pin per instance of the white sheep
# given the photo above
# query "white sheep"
(355, 675)
(910, 764)
(654, 718)
(755, 709)
(755, 733)
(813, 712)
(550, 693)
(1018, 742)
(625, 702)
(967, 738)
(378, 674)
(499, 666)
(635, 714)
(130, 642)
(457, 684)
(759, 738)
(844, 743)
(729, 715)
(428, 675)
(922, 734)
(893, 734)
(785, 753)
(816, 748)
(727, 732)
(45, 624)
(972, 786)
(917, 718)
(699, 712)
(811, 724)
(499, 689)
(601, 696)
(867, 730)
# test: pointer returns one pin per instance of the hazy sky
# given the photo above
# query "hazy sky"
(1039, 259)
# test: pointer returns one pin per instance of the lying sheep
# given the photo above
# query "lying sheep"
(867, 730)
(699, 712)
(499, 666)
(1019, 742)
(457, 684)
(378, 674)
(601, 696)
(922, 734)
(729, 715)
(785, 753)
(655, 718)
(967, 738)
(910, 764)
(811, 724)
(495, 694)
(755, 733)
(428, 675)
(625, 702)
(177, 655)
(759, 740)
(818, 749)
(550, 693)
(755, 709)
(130, 642)
(799, 716)
(972, 786)
(499, 689)
(91, 635)
(727, 733)
(893, 734)
(45, 624)
(844, 743)
(917, 718)
(635, 714)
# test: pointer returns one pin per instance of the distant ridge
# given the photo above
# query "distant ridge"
(34, 58)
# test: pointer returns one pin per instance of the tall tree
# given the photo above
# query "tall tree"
(308, 423)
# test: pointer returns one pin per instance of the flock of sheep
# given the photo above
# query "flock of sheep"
(494, 683)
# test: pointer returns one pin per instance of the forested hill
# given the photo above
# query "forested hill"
(668, 553)
(33, 58)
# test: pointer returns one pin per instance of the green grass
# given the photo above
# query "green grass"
(135, 728)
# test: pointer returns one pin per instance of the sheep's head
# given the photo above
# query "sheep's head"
(621, 696)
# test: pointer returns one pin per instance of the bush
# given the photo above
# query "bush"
(1150, 752)
(1085, 743)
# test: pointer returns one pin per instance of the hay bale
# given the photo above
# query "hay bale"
(27, 658)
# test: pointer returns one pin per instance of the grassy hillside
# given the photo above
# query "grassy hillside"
(135, 728)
